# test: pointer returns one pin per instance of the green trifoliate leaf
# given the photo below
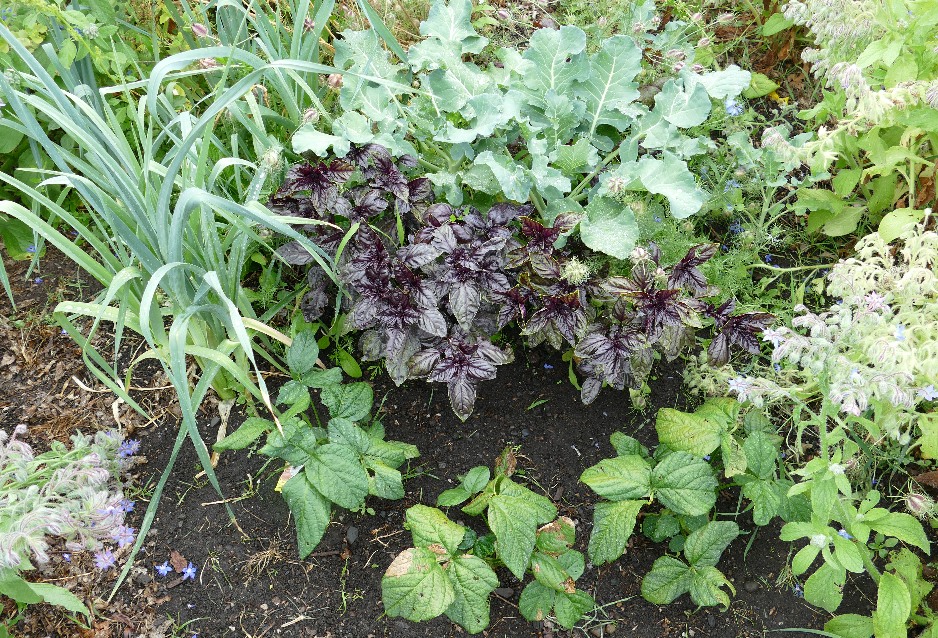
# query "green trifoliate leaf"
(893, 607)
(556, 537)
(691, 433)
(386, 482)
(613, 524)
(451, 497)
(670, 177)
(706, 588)
(626, 445)
(619, 478)
(668, 579)
(451, 23)
(573, 562)
(514, 525)
(558, 60)
(734, 459)
(308, 140)
(569, 608)
(476, 479)
(415, 587)
(350, 401)
(336, 471)
(609, 88)
(824, 587)
(303, 353)
(683, 107)
(575, 159)
(684, 484)
(761, 454)
(609, 227)
(429, 526)
(550, 573)
(473, 581)
(539, 505)
(536, 601)
(392, 453)
(704, 546)
(310, 509)
(343, 431)
(765, 498)
(727, 83)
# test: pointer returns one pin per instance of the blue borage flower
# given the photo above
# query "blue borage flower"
(123, 535)
(733, 108)
(928, 393)
(104, 559)
(189, 572)
(163, 569)
(845, 534)
(128, 448)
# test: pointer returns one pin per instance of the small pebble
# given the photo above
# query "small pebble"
(442, 465)
(351, 535)
(750, 585)
(505, 592)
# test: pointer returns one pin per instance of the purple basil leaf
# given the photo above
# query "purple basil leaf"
(685, 273)
(719, 351)
(501, 214)
(462, 396)
(409, 161)
(361, 156)
(589, 389)
(741, 330)
(423, 362)
(417, 255)
(464, 302)
(431, 321)
(314, 304)
(421, 189)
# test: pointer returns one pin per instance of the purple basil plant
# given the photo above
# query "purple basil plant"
(427, 284)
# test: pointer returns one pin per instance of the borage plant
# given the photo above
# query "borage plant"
(429, 284)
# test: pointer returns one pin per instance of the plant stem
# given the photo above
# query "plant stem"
(538, 202)
(792, 269)
(589, 178)
(868, 563)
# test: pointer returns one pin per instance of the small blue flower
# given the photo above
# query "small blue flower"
(928, 393)
(873, 481)
(778, 367)
(731, 183)
(67, 557)
(657, 219)
(127, 505)
(900, 332)
(123, 536)
(736, 228)
(31, 248)
(128, 448)
(845, 534)
(798, 591)
(37, 280)
(725, 248)
(189, 572)
(64, 332)
(547, 366)
(768, 259)
(104, 559)
(706, 457)
(733, 108)
(163, 569)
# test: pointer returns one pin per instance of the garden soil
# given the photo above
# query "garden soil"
(250, 581)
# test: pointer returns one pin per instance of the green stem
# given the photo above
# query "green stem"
(589, 178)
(538, 202)
(792, 269)
(868, 563)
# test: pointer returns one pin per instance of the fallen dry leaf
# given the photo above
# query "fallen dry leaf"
(178, 561)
